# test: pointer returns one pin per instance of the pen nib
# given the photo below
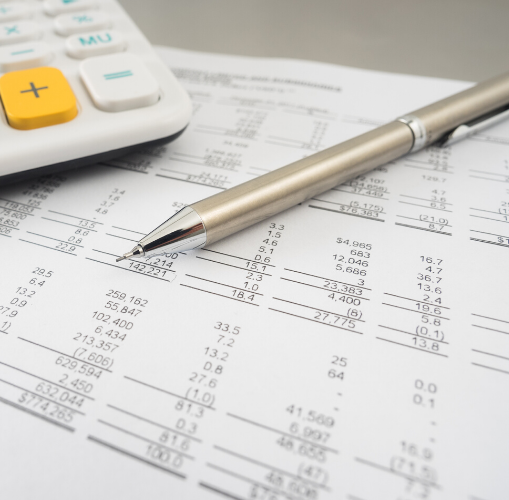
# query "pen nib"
(137, 251)
(125, 256)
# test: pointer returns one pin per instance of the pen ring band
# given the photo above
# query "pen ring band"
(418, 130)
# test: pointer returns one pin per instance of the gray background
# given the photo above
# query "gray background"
(461, 39)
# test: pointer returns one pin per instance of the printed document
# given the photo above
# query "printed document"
(353, 347)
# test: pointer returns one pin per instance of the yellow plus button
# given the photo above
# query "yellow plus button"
(35, 98)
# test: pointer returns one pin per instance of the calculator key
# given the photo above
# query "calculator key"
(35, 98)
(11, 11)
(119, 82)
(24, 55)
(56, 7)
(95, 44)
(81, 22)
(19, 31)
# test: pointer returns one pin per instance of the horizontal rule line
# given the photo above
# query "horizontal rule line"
(49, 248)
(424, 229)
(143, 419)
(11, 227)
(488, 317)
(19, 203)
(164, 391)
(42, 397)
(350, 206)
(487, 211)
(69, 224)
(75, 217)
(319, 309)
(491, 354)
(491, 329)
(121, 237)
(491, 368)
(492, 234)
(55, 239)
(18, 211)
(331, 290)
(231, 265)
(35, 414)
(190, 182)
(130, 230)
(420, 220)
(142, 438)
(314, 321)
(346, 213)
(48, 381)
(412, 347)
(413, 334)
(66, 355)
(356, 193)
(237, 257)
(270, 467)
(487, 178)
(397, 473)
(415, 300)
(425, 199)
(415, 311)
(489, 218)
(130, 270)
(327, 279)
(489, 242)
(221, 492)
(123, 168)
(220, 295)
(224, 284)
(136, 457)
(277, 431)
(425, 206)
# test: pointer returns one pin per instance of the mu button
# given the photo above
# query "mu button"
(35, 98)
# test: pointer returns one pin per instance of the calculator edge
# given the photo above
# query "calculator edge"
(84, 161)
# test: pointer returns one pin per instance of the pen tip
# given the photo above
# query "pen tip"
(137, 251)
(125, 256)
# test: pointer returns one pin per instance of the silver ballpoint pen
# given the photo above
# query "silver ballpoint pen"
(230, 211)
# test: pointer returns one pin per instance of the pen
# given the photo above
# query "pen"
(214, 218)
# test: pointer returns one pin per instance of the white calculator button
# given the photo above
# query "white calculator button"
(20, 31)
(24, 56)
(10, 11)
(119, 82)
(95, 44)
(56, 7)
(81, 22)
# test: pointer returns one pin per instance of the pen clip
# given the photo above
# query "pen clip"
(471, 128)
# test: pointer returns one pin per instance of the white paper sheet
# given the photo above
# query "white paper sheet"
(354, 347)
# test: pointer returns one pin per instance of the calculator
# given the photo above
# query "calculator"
(79, 84)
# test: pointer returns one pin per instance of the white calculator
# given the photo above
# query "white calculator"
(79, 83)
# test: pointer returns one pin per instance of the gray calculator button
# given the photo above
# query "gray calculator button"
(11, 11)
(95, 44)
(81, 22)
(119, 82)
(57, 7)
(24, 56)
(19, 31)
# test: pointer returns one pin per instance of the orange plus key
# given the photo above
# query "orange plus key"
(35, 98)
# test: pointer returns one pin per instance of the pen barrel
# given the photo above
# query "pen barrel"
(239, 207)
(443, 116)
